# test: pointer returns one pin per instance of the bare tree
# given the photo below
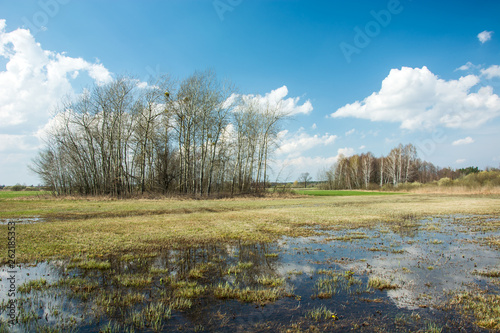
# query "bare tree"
(305, 178)
(194, 137)
(366, 168)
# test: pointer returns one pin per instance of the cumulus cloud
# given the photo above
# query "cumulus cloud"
(15, 143)
(465, 67)
(313, 165)
(466, 141)
(491, 72)
(318, 162)
(295, 145)
(32, 84)
(350, 132)
(461, 161)
(468, 66)
(416, 98)
(34, 79)
(484, 36)
(347, 152)
(276, 99)
(291, 166)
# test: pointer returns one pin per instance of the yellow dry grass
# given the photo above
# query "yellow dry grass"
(103, 227)
(457, 190)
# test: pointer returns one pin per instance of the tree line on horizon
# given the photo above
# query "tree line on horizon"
(401, 166)
(196, 136)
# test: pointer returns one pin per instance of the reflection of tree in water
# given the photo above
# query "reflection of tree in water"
(220, 259)
(217, 264)
(406, 228)
(241, 264)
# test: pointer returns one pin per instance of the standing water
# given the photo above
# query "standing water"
(409, 276)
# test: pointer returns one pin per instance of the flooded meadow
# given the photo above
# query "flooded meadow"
(436, 274)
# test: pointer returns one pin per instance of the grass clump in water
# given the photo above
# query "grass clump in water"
(248, 295)
(271, 281)
(27, 287)
(181, 303)
(485, 308)
(152, 316)
(334, 282)
(328, 286)
(111, 327)
(90, 265)
(235, 269)
(190, 291)
(321, 313)
(433, 328)
(381, 284)
(351, 237)
(183, 284)
(200, 270)
(490, 274)
(78, 285)
(136, 281)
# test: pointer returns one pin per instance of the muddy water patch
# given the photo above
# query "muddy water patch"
(24, 220)
(426, 264)
(390, 278)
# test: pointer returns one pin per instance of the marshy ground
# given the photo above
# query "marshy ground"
(427, 263)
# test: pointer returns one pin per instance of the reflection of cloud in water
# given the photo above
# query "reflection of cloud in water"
(425, 265)
(25, 220)
(43, 303)
(426, 271)
(294, 267)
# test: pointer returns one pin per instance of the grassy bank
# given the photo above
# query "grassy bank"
(339, 193)
(102, 227)
(18, 194)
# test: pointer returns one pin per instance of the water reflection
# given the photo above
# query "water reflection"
(262, 287)
(24, 220)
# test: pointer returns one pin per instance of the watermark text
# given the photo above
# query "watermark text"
(11, 263)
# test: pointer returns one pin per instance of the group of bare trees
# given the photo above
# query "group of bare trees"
(401, 165)
(193, 137)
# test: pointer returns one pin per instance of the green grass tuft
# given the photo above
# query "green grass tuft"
(380, 284)
(27, 287)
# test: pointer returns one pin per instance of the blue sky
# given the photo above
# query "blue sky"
(376, 73)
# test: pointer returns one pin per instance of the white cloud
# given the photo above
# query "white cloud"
(417, 99)
(314, 126)
(345, 152)
(362, 147)
(276, 99)
(34, 79)
(464, 67)
(484, 36)
(469, 65)
(460, 161)
(15, 143)
(491, 72)
(295, 145)
(308, 164)
(350, 132)
(291, 167)
(466, 141)
(32, 84)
